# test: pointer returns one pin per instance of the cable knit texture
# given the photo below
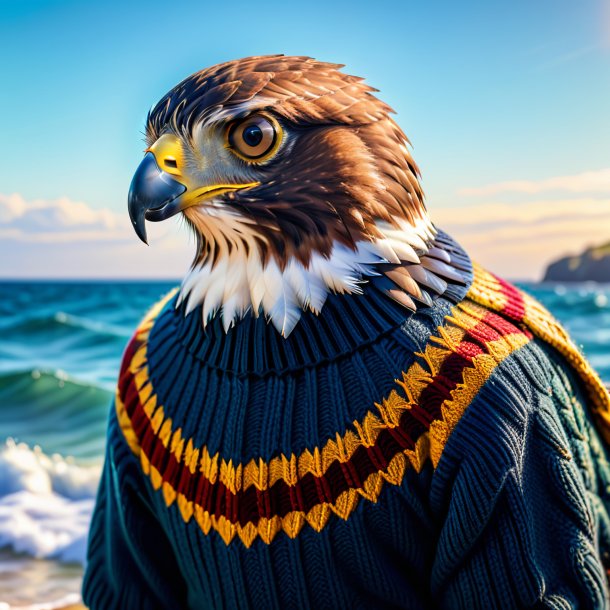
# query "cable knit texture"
(447, 460)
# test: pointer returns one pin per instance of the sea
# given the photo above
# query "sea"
(60, 349)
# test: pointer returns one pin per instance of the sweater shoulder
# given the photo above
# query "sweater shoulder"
(525, 443)
(520, 308)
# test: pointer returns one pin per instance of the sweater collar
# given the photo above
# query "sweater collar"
(346, 324)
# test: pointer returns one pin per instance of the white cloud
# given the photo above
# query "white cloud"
(586, 182)
(569, 56)
(64, 238)
(519, 240)
(59, 220)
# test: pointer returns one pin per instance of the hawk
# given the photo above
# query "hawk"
(337, 408)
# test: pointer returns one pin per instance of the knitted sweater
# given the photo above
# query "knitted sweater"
(447, 460)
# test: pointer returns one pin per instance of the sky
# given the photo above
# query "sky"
(506, 105)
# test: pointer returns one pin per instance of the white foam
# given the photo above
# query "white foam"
(45, 503)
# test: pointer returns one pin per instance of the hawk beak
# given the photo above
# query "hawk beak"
(161, 186)
(153, 195)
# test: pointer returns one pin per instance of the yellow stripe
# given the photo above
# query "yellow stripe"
(475, 377)
(486, 290)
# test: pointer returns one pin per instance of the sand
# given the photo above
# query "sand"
(26, 582)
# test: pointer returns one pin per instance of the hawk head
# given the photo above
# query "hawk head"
(296, 182)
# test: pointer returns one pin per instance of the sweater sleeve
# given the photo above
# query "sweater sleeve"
(130, 563)
(521, 492)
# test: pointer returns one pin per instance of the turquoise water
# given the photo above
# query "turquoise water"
(60, 349)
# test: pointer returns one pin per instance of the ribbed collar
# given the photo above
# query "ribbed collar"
(346, 324)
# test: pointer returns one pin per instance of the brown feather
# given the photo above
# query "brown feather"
(400, 297)
(401, 277)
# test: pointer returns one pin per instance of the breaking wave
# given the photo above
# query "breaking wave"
(45, 503)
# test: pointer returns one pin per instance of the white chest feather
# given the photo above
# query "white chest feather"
(239, 282)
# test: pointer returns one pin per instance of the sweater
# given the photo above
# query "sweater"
(453, 458)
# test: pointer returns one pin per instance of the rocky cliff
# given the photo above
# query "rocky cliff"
(593, 265)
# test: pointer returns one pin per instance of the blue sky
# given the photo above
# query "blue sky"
(489, 93)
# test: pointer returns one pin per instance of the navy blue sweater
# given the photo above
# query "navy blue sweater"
(447, 460)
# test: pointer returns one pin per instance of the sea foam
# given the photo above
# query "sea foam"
(45, 503)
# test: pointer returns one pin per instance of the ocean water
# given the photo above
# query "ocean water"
(60, 349)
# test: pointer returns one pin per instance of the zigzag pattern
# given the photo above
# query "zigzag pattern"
(409, 426)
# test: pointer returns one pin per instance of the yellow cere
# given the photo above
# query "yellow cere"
(169, 153)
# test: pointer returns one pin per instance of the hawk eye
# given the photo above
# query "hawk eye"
(254, 138)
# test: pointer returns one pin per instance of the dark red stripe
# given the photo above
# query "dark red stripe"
(130, 350)
(490, 328)
(252, 504)
(515, 306)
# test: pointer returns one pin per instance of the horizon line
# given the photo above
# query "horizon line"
(174, 279)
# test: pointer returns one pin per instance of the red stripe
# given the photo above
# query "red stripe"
(130, 350)
(515, 306)
(490, 328)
